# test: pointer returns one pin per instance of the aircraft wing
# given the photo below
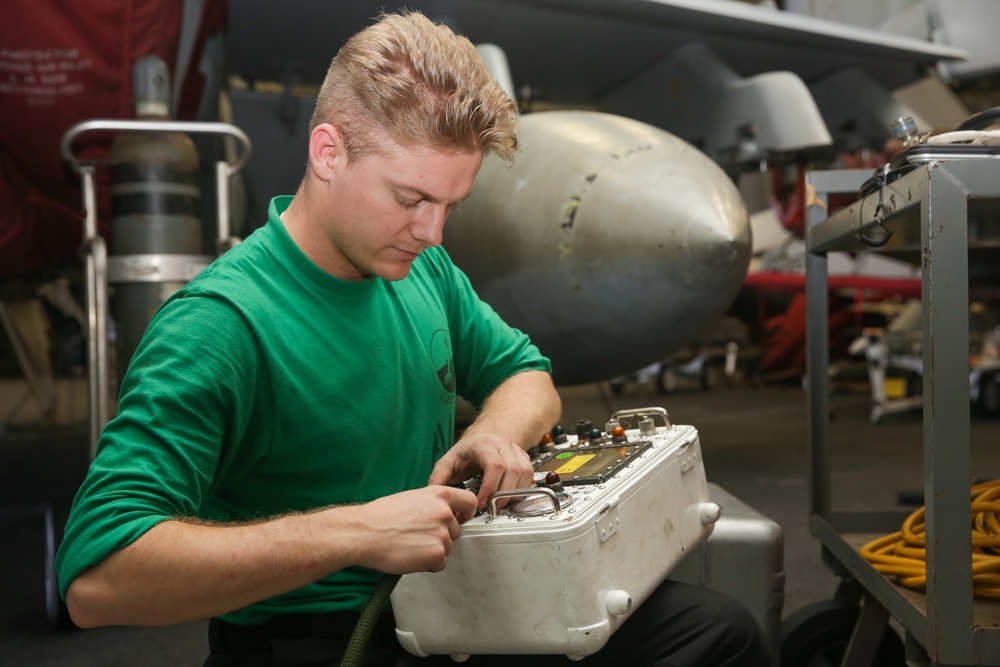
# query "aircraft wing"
(573, 52)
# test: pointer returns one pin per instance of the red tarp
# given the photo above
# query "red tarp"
(62, 62)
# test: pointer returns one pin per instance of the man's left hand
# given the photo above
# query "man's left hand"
(503, 464)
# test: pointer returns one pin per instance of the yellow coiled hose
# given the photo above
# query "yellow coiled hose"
(904, 556)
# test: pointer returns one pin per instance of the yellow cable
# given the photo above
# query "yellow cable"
(903, 554)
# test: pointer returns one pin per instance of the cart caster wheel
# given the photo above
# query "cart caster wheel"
(666, 380)
(711, 376)
(817, 636)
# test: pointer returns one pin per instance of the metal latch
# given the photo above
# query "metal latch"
(608, 520)
(688, 457)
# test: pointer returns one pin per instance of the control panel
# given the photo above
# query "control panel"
(562, 564)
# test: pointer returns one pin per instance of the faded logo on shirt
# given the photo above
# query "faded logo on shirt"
(444, 367)
(444, 364)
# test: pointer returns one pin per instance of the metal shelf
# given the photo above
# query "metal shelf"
(940, 214)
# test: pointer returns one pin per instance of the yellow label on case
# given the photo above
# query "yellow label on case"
(574, 463)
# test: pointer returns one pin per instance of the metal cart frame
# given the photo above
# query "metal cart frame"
(939, 212)
(95, 248)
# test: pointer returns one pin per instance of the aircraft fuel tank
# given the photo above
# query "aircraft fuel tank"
(610, 242)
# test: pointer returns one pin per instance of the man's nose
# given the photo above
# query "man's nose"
(428, 228)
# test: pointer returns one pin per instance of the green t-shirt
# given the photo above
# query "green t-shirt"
(267, 385)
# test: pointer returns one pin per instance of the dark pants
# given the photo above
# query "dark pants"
(677, 626)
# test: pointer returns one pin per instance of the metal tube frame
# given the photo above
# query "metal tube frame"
(821, 185)
(96, 250)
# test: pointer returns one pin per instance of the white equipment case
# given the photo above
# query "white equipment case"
(561, 570)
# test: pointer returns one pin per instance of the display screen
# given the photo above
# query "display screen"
(591, 465)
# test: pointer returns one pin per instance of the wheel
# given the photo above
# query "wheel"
(989, 394)
(711, 376)
(617, 386)
(666, 380)
(817, 636)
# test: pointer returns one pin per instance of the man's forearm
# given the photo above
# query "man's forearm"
(523, 408)
(180, 571)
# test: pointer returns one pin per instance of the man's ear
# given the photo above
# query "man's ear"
(326, 147)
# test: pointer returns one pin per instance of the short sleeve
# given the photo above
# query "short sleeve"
(486, 349)
(185, 403)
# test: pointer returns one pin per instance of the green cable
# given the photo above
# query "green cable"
(366, 623)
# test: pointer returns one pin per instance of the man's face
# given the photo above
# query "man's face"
(387, 207)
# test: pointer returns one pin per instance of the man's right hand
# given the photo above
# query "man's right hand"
(413, 531)
(180, 570)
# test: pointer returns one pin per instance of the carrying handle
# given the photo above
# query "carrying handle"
(644, 412)
(223, 169)
(517, 493)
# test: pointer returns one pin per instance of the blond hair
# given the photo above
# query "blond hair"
(421, 84)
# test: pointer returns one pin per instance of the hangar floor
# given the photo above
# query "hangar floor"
(754, 441)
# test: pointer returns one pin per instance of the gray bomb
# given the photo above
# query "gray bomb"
(610, 242)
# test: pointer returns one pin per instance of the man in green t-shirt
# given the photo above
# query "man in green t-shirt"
(285, 431)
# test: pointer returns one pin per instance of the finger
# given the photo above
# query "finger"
(463, 505)
(454, 532)
(517, 471)
(443, 471)
(490, 484)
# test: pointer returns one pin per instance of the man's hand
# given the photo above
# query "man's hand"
(413, 531)
(180, 571)
(503, 464)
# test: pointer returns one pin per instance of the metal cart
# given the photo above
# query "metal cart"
(96, 251)
(941, 213)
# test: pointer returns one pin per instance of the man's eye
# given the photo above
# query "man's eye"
(408, 203)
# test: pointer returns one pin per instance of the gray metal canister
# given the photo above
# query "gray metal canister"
(156, 230)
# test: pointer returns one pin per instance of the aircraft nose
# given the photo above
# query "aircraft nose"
(667, 222)
(610, 242)
(716, 227)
